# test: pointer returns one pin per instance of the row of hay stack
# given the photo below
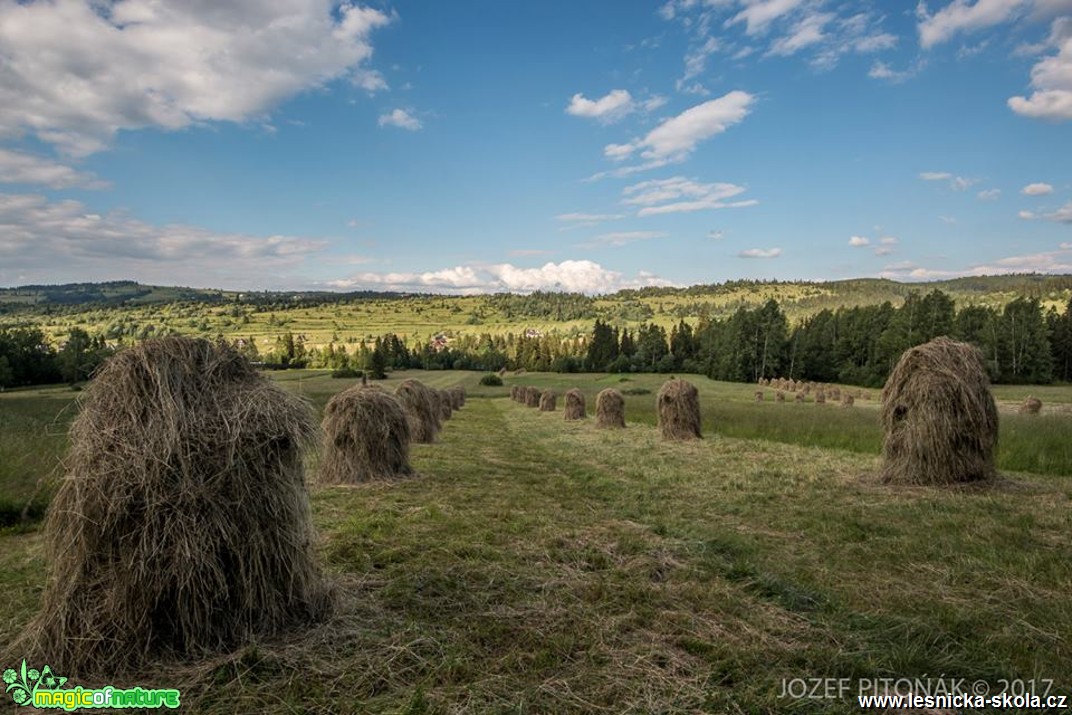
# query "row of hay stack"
(847, 398)
(182, 526)
(834, 392)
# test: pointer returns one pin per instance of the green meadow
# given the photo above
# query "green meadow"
(541, 566)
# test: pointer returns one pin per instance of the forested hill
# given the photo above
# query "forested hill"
(798, 298)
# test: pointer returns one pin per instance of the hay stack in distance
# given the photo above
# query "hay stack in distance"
(457, 397)
(445, 404)
(574, 408)
(847, 400)
(800, 397)
(547, 400)
(610, 409)
(366, 437)
(678, 406)
(779, 396)
(422, 408)
(1031, 406)
(759, 395)
(182, 525)
(820, 397)
(940, 420)
(532, 396)
(514, 393)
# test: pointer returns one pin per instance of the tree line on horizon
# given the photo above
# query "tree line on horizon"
(1021, 343)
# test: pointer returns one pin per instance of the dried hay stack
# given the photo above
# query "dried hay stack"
(847, 400)
(835, 393)
(800, 397)
(820, 397)
(939, 416)
(547, 401)
(532, 396)
(678, 404)
(366, 437)
(1031, 406)
(457, 397)
(759, 395)
(515, 393)
(182, 525)
(445, 403)
(574, 409)
(779, 396)
(422, 408)
(610, 409)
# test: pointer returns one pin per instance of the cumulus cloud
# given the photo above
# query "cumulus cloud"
(400, 118)
(1051, 79)
(989, 194)
(371, 81)
(1061, 215)
(859, 241)
(760, 253)
(885, 247)
(1038, 189)
(76, 72)
(883, 70)
(681, 195)
(961, 16)
(571, 275)
(607, 109)
(43, 240)
(1059, 261)
(19, 168)
(677, 137)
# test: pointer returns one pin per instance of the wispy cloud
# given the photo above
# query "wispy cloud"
(400, 118)
(989, 194)
(622, 238)
(681, 195)
(957, 183)
(19, 168)
(760, 253)
(607, 109)
(961, 17)
(1039, 189)
(1061, 215)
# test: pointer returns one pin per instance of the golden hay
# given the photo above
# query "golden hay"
(532, 396)
(847, 400)
(779, 396)
(547, 400)
(940, 420)
(820, 397)
(182, 524)
(457, 397)
(422, 408)
(445, 404)
(1031, 406)
(759, 395)
(610, 409)
(678, 404)
(366, 437)
(800, 397)
(574, 408)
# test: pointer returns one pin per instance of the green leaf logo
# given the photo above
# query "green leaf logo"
(23, 683)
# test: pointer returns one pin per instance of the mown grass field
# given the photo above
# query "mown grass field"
(539, 566)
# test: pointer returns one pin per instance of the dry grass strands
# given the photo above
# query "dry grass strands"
(422, 408)
(532, 396)
(366, 437)
(610, 409)
(446, 404)
(547, 401)
(939, 416)
(182, 525)
(574, 408)
(678, 405)
(1031, 406)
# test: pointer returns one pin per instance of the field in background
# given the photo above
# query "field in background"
(543, 566)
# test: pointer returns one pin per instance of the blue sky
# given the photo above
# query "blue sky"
(483, 146)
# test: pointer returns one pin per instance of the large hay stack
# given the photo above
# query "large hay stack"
(678, 406)
(515, 393)
(532, 396)
(366, 437)
(422, 408)
(182, 524)
(548, 400)
(939, 416)
(610, 409)
(445, 403)
(574, 408)
(1031, 406)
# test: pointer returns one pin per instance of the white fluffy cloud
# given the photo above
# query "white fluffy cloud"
(1037, 189)
(681, 195)
(962, 16)
(757, 15)
(1061, 215)
(50, 241)
(760, 253)
(859, 241)
(400, 118)
(957, 183)
(608, 109)
(570, 275)
(1051, 78)
(75, 72)
(19, 168)
(1059, 261)
(677, 137)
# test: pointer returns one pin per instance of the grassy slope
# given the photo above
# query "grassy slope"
(540, 566)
